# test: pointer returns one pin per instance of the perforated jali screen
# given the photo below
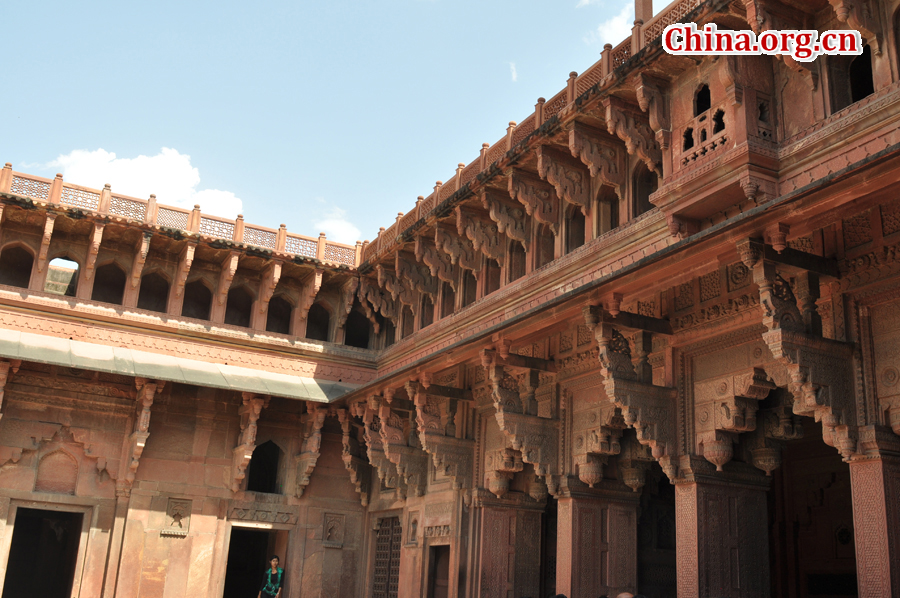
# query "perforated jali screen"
(387, 559)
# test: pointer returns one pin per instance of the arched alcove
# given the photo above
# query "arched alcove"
(574, 229)
(278, 318)
(262, 474)
(318, 323)
(15, 266)
(492, 276)
(645, 183)
(850, 79)
(448, 300)
(154, 293)
(546, 246)
(57, 472)
(109, 284)
(427, 314)
(469, 288)
(702, 100)
(407, 325)
(516, 261)
(238, 307)
(197, 300)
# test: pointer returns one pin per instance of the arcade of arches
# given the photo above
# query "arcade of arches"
(648, 342)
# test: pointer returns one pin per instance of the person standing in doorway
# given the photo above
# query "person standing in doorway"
(272, 581)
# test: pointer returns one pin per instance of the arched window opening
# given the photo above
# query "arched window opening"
(448, 300)
(197, 301)
(278, 318)
(850, 79)
(763, 112)
(238, 307)
(546, 246)
(109, 284)
(703, 136)
(262, 475)
(318, 323)
(517, 260)
(492, 275)
(470, 288)
(62, 277)
(356, 330)
(15, 267)
(862, 82)
(574, 230)
(426, 317)
(645, 184)
(688, 139)
(718, 121)
(154, 294)
(407, 325)
(702, 101)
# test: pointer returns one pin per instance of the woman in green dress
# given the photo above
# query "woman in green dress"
(272, 581)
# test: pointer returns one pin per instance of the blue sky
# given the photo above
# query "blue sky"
(329, 115)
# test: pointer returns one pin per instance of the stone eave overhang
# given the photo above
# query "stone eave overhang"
(672, 252)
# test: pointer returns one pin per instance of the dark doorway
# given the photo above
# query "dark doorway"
(238, 307)
(448, 300)
(318, 321)
(656, 535)
(492, 276)
(387, 558)
(574, 230)
(548, 547)
(517, 258)
(439, 572)
(356, 330)
(645, 184)
(812, 552)
(197, 301)
(262, 475)
(248, 555)
(43, 541)
(469, 288)
(279, 317)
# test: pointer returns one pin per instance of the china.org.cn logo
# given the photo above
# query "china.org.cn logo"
(803, 45)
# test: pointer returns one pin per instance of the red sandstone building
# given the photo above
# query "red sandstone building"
(648, 341)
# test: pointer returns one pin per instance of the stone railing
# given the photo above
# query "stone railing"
(610, 60)
(147, 211)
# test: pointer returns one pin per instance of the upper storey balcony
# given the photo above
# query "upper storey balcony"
(640, 151)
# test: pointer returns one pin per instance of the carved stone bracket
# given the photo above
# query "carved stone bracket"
(592, 446)
(270, 277)
(438, 262)
(460, 249)
(630, 127)
(184, 267)
(147, 391)
(387, 472)
(681, 227)
(634, 463)
(511, 220)
(411, 461)
(484, 233)
(45, 242)
(253, 405)
(568, 177)
(451, 455)
(93, 250)
(140, 257)
(765, 444)
(603, 157)
(418, 277)
(650, 99)
(726, 407)
(859, 15)
(399, 291)
(539, 198)
(348, 294)
(226, 276)
(310, 448)
(305, 300)
(500, 466)
(8, 367)
(647, 408)
(353, 461)
(381, 301)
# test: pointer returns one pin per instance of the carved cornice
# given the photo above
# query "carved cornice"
(438, 262)
(650, 99)
(411, 462)
(483, 233)
(460, 249)
(353, 462)
(417, 276)
(628, 126)
(310, 448)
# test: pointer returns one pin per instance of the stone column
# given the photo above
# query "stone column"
(875, 487)
(596, 547)
(722, 537)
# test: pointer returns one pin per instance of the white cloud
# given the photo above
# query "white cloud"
(614, 30)
(169, 175)
(336, 227)
(587, 2)
(512, 72)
